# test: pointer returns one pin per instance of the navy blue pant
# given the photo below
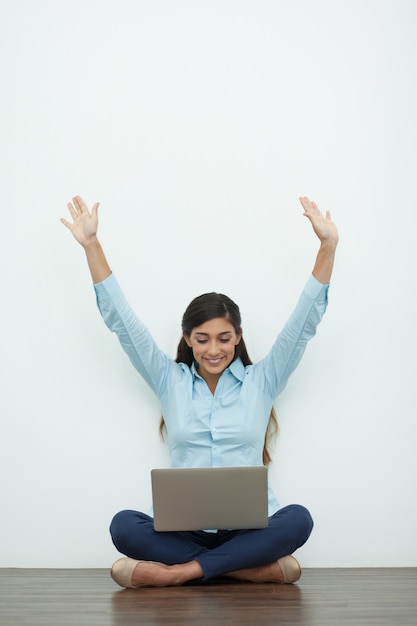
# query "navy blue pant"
(217, 553)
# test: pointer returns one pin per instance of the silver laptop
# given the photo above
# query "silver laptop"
(210, 498)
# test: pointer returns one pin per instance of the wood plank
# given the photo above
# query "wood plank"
(323, 597)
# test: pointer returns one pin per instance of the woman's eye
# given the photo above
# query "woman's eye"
(224, 340)
(201, 340)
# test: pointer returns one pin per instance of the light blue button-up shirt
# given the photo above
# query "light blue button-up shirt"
(226, 428)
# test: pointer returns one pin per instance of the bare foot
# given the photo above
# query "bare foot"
(153, 574)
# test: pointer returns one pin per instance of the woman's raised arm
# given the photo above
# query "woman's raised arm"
(84, 228)
(326, 231)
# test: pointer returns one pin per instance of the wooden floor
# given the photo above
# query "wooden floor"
(323, 597)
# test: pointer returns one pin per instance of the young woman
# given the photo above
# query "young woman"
(217, 410)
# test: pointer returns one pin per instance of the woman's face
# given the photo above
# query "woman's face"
(213, 345)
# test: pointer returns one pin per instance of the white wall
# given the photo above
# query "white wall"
(197, 124)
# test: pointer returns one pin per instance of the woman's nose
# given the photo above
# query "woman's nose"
(213, 348)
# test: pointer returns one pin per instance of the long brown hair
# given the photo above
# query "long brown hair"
(203, 309)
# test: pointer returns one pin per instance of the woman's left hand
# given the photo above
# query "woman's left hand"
(324, 228)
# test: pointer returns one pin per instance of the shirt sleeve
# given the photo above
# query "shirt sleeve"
(151, 362)
(291, 343)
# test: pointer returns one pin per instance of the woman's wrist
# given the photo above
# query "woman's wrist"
(329, 245)
(323, 267)
(90, 243)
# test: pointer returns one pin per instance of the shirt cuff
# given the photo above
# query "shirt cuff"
(107, 286)
(314, 288)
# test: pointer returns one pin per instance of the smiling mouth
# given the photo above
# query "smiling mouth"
(214, 361)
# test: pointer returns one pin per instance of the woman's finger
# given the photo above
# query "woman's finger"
(66, 223)
(72, 210)
(80, 204)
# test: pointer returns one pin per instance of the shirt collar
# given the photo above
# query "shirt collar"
(236, 368)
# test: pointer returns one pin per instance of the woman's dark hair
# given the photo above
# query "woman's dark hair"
(202, 309)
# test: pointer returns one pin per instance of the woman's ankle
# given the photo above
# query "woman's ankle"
(154, 574)
(184, 572)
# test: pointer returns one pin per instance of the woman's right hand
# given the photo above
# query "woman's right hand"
(85, 224)
(84, 229)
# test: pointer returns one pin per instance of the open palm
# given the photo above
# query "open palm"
(84, 224)
(323, 226)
